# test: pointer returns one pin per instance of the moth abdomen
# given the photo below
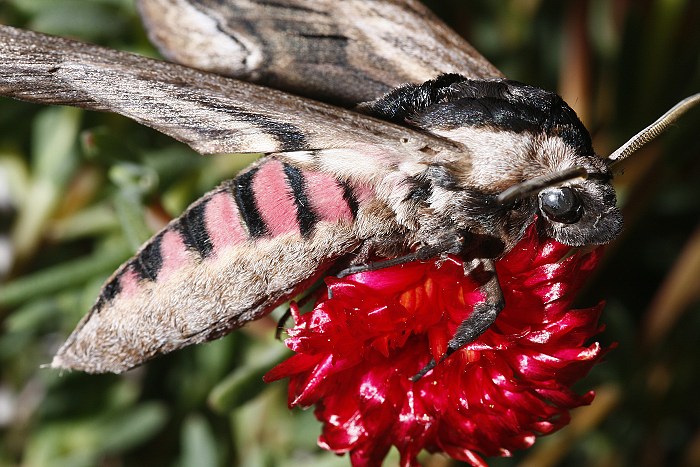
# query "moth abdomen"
(194, 230)
(276, 198)
(231, 257)
(306, 218)
(270, 200)
(157, 260)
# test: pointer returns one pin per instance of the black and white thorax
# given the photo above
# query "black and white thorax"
(508, 133)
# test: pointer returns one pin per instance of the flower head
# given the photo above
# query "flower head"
(356, 352)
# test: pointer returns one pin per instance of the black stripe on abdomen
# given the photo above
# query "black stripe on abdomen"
(305, 216)
(194, 232)
(110, 290)
(350, 198)
(149, 261)
(245, 200)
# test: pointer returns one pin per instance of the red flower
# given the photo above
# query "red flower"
(356, 352)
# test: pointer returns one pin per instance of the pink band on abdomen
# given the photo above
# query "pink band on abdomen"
(274, 199)
(174, 253)
(223, 221)
(326, 197)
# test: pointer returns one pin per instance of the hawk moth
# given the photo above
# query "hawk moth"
(459, 160)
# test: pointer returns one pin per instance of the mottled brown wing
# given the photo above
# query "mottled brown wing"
(344, 52)
(210, 113)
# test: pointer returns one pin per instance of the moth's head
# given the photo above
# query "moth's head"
(578, 213)
(549, 166)
(513, 134)
(524, 146)
(575, 204)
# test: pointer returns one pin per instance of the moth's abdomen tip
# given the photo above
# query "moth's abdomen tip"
(63, 365)
(79, 353)
(64, 361)
(57, 364)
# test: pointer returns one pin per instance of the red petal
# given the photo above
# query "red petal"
(359, 349)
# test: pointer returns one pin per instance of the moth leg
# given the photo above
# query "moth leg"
(282, 322)
(483, 316)
(452, 245)
(301, 303)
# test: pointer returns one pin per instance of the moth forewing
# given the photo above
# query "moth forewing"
(210, 113)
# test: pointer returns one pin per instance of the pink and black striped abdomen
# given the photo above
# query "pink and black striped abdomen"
(235, 254)
(277, 198)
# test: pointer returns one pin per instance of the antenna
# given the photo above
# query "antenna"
(653, 130)
(534, 185)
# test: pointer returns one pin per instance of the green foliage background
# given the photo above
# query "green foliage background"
(89, 188)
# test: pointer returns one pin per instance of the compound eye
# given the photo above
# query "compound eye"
(561, 205)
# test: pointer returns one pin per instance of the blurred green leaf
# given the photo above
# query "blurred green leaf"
(55, 134)
(54, 160)
(245, 382)
(30, 317)
(93, 221)
(198, 443)
(135, 182)
(84, 442)
(67, 274)
(134, 427)
(95, 20)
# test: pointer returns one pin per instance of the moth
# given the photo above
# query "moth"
(380, 149)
